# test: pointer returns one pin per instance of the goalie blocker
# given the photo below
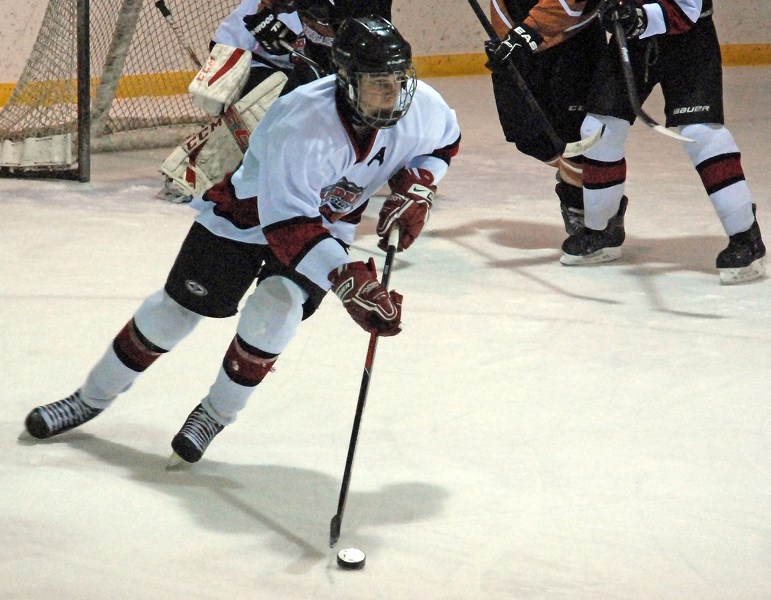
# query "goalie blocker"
(203, 159)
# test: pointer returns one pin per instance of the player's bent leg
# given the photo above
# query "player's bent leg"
(268, 322)
(157, 326)
(604, 177)
(717, 160)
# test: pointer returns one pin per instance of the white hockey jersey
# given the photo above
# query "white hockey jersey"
(312, 181)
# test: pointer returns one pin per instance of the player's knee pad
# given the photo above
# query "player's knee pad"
(246, 365)
(163, 321)
(611, 146)
(709, 140)
(271, 315)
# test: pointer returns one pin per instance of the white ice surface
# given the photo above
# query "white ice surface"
(537, 431)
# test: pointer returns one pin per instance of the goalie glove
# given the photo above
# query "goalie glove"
(271, 34)
(409, 205)
(219, 82)
(371, 305)
(632, 18)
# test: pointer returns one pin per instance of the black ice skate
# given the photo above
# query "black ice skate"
(591, 246)
(58, 417)
(571, 206)
(741, 260)
(194, 437)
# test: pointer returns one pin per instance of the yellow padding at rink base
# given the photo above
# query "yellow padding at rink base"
(152, 84)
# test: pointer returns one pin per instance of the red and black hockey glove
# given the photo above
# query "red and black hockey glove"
(520, 42)
(632, 18)
(372, 306)
(409, 205)
(271, 34)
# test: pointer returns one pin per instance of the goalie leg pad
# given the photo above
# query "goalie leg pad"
(253, 106)
(196, 167)
(222, 77)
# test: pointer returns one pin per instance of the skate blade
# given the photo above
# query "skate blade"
(742, 274)
(176, 463)
(601, 256)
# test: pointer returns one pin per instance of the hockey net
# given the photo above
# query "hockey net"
(139, 77)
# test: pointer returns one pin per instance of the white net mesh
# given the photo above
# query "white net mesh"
(139, 74)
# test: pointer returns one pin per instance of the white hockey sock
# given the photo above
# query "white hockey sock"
(604, 170)
(226, 398)
(108, 378)
(718, 162)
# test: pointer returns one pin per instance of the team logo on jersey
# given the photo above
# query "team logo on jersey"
(195, 288)
(339, 198)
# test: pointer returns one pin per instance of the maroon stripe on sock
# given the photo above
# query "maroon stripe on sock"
(599, 175)
(245, 364)
(133, 349)
(720, 171)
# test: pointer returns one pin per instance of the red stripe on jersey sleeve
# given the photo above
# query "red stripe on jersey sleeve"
(675, 19)
(448, 151)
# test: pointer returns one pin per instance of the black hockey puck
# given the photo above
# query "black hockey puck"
(351, 559)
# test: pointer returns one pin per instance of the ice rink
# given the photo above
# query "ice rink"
(537, 431)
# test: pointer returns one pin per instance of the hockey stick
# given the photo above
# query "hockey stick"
(230, 116)
(588, 18)
(631, 87)
(337, 520)
(567, 150)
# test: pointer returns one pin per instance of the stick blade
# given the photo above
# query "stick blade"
(577, 148)
(664, 131)
(334, 530)
(176, 462)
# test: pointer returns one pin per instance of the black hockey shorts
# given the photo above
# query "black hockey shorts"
(559, 79)
(687, 66)
(211, 274)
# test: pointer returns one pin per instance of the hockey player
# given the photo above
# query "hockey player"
(287, 219)
(204, 158)
(556, 63)
(672, 43)
(276, 25)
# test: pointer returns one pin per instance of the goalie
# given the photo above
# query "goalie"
(247, 68)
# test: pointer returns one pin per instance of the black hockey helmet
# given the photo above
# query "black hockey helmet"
(367, 53)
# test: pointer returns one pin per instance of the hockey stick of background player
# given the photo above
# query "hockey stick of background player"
(631, 86)
(230, 116)
(567, 150)
(337, 520)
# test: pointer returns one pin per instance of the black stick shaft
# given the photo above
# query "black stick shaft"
(631, 86)
(337, 521)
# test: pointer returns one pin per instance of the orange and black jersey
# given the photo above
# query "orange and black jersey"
(549, 18)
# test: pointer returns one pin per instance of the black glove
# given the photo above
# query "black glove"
(271, 34)
(520, 40)
(633, 19)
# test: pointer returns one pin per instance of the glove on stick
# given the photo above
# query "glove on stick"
(372, 306)
(409, 205)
